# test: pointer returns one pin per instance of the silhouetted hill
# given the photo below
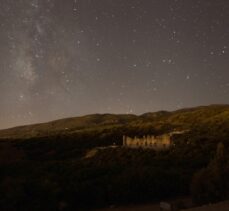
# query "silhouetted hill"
(214, 115)
(67, 125)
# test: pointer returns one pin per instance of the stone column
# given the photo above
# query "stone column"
(124, 141)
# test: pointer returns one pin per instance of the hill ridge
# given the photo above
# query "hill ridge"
(178, 118)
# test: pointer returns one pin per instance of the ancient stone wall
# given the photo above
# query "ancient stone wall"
(155, 142)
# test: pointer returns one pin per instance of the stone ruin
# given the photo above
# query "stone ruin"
(161, 142)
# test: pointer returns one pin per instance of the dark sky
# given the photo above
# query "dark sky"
(62, 58)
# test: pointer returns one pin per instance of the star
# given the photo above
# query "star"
(61, 59)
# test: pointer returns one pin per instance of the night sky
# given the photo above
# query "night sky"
(64, 58)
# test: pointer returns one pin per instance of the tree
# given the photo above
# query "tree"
(209, 184)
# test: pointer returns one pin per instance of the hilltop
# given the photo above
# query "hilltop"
(181, 119)
(67, 126)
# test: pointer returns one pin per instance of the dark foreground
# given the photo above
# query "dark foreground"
(64, 171)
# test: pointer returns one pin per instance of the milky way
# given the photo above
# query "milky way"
(62, 58)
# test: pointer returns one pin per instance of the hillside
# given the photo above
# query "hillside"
(67, 126)
(214, 115)
(73, 164)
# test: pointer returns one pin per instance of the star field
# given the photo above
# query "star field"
(64, 58)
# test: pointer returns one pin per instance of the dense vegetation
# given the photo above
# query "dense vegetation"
(47, 168)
